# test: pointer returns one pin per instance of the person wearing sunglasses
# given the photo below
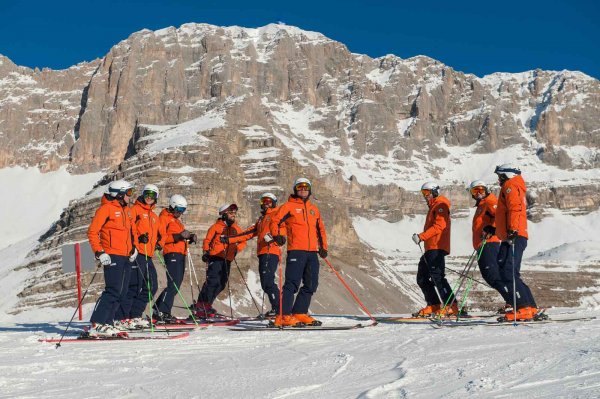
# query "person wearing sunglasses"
(218, 256)
(431, 274)
(269, 253)
(511, 228)
(113, 238)
(176, 241)
(484, 227)
(305, 239)
(143, 273)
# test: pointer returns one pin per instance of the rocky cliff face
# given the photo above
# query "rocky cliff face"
(222, 114)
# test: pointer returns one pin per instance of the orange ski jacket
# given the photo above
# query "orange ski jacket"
(436, 232)
(259, 229)
(511, 213)
(170, 225)
(147, 222)
(213, 245)
(111, 229)
(485, 215)
(303, 225)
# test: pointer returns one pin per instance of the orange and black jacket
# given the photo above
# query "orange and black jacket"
(436, 232)
(485, 215)
(169, 225)
(146, 222)
(213, 245)
(111, 229)
(303, 225)
(260, 229)
(511, 213)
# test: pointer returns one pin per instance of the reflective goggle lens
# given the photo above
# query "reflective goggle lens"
(477, 190)
(266, 201)
(150, 194)
(129, 192)
(302, 186)
(426, 192)
(179, 209)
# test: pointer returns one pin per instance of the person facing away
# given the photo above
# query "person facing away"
(431, 276)
(113, 238)
(511, 228)
(218, 256)
(306, 238)
(268, 252)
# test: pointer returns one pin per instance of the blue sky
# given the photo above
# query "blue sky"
(475, 37)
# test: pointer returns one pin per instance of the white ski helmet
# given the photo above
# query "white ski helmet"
(507, 170)
(177, 203)
(119, 189)
(431, 186)
(150, 188)
(478, 183)
(302, 180)
(227, 207)
(272, 196)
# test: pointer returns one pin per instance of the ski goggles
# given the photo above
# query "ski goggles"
(179, 209)
(426, 192)
(150, 194)
(477, 190)
(129, 192)
(302, 186)
(266, 201)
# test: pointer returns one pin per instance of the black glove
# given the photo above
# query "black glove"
(205, 257)
(489, 230)
(193, 238)
(185, 234)
(224, 239)
(279, 240)
(322, 253)
(177, 237)
(158, 247)
(143, 239)
(512, 234)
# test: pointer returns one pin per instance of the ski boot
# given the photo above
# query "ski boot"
(270, 314)
(427, 311)
(287, 321)
(527, 313)
(165, 318)
(306, 319)
(451, 310)
(204, 310)
(507, 308)
(103, 331)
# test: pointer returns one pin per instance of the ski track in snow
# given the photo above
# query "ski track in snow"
(385, 361)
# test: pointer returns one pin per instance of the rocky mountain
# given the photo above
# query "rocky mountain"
(224, 113)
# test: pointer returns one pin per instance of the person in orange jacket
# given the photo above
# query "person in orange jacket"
(305, 238)
(511, 228)
(175, 242)
(484, 226)
(431, 276)
(218, 256)
(143, 282)
(113, 238)
(269, 253)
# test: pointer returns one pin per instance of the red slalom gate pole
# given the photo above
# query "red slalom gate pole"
(351, 292)
(78, 273)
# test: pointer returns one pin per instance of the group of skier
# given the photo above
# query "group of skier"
(499, 238)
(125, 239)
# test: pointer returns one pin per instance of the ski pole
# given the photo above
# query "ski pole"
(162, 261)
(512, 246)
(281, 296)
(229, 287)
(148, 286)
(246, 284)
(351, 292)
(194, 271)
(78, 306)
(474, 279)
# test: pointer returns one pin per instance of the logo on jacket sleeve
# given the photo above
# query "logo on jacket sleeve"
(312, 212)
(508, 191)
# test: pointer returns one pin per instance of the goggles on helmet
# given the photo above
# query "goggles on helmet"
(150, 194)
(477, 190)
(179, 209)
(302, 186)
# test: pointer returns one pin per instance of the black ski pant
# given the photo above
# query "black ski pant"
(116, 280)
(267, 268)
(301, 267)
(509, 263)
(176, 268)
(142, 273)
(488, 266)
(431, 275)
(217, 275)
